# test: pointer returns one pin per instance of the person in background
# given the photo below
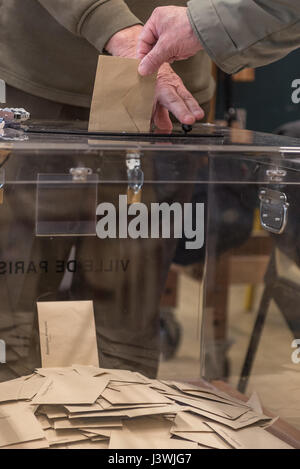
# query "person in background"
(48, 58)
(49, 52)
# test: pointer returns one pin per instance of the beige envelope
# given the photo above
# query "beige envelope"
(67, 333)
(244, 421)
(167, 409)
(218, 408)
(35, 444)
(211, 440)
(100, 432)
(62, 437)
(124, 439)
(18, 425)
(99, 438)
(9, 390)
(88, 370)
(53, 412)
(70, 389)
(187, 422)
(255, 403)
(210, 393)
(215, 398)
(85, 445)
(132, 413)
(84, 409)
(135, 394)
(249, 438)
(104, 413)
(148, 426)
(87, 423)
(30, 387)
(46, 372)
(122, 99)
(125, 376)
(44, 422)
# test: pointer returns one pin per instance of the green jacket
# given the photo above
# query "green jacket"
(246, 33)
(49, 48)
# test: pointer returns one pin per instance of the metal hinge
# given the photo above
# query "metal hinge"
(14, 114)
(135, 176)
(273, 210)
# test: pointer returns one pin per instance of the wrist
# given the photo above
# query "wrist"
(124, 42)
(197, 44)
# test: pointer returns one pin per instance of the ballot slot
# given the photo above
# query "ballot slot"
(201, 135)
(66, 203)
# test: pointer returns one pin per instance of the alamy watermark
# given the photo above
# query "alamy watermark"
(2, 351)
(160, 220)
(296, 92)
(296, 354)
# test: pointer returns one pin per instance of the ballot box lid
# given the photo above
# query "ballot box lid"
(178, 156)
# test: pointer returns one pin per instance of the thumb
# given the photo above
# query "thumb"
(154, 59)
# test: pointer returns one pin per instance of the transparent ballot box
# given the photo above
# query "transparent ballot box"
(176, 256)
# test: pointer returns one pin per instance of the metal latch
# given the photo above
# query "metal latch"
(273, 210)
(14, 114)
(80, 174)
(135, 177)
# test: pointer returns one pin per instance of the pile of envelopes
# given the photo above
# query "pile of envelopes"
(87, 407)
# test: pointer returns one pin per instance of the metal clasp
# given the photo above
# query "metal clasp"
(14, 114)
(135, 176)
(276, 174)
(80, 174)
(273, 210)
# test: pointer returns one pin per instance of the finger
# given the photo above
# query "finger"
(190, 102)
(142, 50)
(147, 39)
(158, 55)
(149, 33)
(162, 119)
(170, 99)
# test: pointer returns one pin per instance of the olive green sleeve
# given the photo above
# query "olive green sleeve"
(246, 33)
(95, 20)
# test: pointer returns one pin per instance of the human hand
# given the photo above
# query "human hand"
(167, 36)
(170, 93)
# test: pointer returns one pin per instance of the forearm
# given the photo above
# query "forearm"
(246, 33)
(95, 20)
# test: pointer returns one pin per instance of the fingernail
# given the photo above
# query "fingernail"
(141, 68)
(189, 119)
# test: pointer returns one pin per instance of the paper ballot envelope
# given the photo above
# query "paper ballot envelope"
(67, 333)
(122, 99)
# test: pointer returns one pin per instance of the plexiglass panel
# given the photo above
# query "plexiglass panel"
(185, 245)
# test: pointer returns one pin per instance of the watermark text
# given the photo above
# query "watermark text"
(160, 220)
(296, 92)
(2, 352)
(296, 354)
